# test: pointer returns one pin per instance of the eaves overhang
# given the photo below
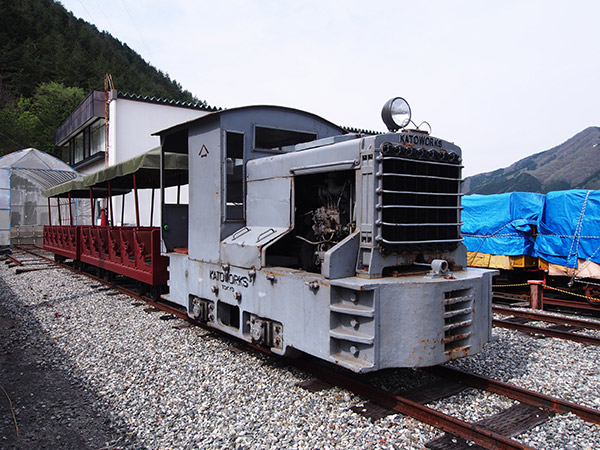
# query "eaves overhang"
(91, 109)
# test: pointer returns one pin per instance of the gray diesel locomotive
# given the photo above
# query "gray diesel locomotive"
(300, 236)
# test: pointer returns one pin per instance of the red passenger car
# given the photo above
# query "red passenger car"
(129, 250)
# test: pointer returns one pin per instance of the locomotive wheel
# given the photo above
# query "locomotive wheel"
(142, 288)
(155, 292)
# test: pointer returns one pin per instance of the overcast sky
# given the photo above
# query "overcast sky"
(502, 80)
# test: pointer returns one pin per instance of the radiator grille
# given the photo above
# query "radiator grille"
(418, 197)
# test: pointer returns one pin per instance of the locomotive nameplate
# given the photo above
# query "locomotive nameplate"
(229, 279)
(420, 139)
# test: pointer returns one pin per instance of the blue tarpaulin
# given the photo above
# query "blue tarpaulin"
(501, 224)
(569, 227)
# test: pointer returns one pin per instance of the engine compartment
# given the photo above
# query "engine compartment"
(323, 217)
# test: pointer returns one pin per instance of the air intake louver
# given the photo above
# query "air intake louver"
(418, 198)
(458, 321)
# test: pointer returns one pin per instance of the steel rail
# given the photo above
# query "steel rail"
(546, 317)
(576, 304)
(516, 393)
(566, 335)
(509, 296)
(449, 424)
(122, 289)
(16, 261)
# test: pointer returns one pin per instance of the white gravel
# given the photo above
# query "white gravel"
(169, 388)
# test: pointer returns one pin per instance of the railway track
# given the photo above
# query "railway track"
(562, 328)
(556, 298)
(490, 433)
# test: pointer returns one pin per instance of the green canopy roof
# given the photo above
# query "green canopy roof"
(76, 188)
(147, 172)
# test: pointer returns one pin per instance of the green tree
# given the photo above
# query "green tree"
(32, 122)
(18, 126)
(52, 104)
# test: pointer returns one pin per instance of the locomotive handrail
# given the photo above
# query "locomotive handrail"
(264, 234)
(350, 162)
(240, 233)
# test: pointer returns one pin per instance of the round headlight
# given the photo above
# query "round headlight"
(396, 113)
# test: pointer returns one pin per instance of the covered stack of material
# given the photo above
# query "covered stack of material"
(569, 233)
(499, 229)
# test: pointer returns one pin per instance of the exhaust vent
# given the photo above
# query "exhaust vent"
(458, 321)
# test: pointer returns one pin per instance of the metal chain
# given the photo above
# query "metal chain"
(501, 236)
(584, 281)
(486, 237)
(591, 299)
(568, 236)
(577, 237)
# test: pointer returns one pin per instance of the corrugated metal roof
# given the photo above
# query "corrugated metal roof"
(165, 101)
(204, 107)
(361, 131)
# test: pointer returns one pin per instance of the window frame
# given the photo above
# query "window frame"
(227, 217)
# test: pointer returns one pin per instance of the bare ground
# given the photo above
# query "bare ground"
(41, 406)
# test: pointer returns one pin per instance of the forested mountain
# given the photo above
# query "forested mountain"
(570, 165)
(45, 49)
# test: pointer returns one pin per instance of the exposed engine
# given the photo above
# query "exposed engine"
(329, 218)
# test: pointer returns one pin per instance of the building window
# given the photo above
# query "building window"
(97, 137)
(78, 153)
(87, 142)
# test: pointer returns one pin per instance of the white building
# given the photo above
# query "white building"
(131, 121)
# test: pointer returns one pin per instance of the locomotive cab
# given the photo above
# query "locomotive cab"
(219, 147)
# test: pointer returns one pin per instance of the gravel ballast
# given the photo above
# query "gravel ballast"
(132, 379)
